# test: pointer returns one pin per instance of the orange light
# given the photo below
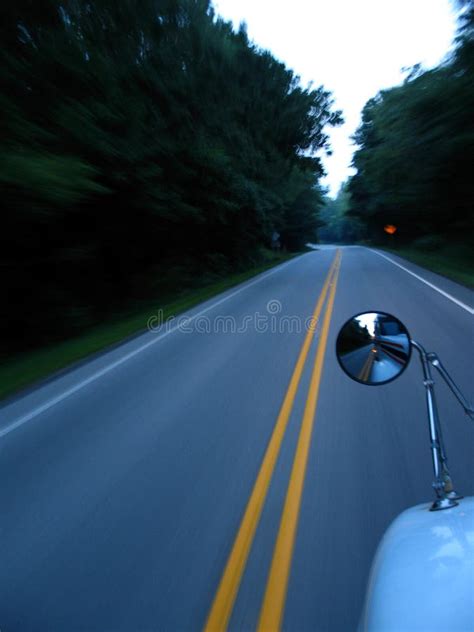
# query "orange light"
(390, 229)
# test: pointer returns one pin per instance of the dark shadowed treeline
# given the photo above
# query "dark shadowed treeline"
(337, 225)
(416, 155)
(142, 145)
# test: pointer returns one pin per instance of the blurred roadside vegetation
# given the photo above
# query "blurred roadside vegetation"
(452, 261)
(23, 369)
(414, 161)
(337, 225)
(145, 148)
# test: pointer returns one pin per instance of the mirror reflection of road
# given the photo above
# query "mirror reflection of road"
(372, 363)
(359, 362)
(126, 481)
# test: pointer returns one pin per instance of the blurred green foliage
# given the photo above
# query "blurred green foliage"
(416, 152)
(25, 368)
(142, 145)
(337, 225)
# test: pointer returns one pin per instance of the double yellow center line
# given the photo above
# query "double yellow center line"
(274, 600)
(366, 369)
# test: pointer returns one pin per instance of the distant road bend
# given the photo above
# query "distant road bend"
(226, 474)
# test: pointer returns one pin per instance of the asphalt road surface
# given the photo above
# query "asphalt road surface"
(150, 487)
(372, 364)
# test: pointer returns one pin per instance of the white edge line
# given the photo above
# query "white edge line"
(52, 402)
(434, 287)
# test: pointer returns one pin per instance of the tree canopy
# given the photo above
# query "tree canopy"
(416, 151)
(337, 226)
(142, 140)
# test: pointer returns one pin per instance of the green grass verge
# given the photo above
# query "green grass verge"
(23, 370)
(455, 267)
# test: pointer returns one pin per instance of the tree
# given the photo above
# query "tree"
(140, 146)
(337, 225)
(416, 150)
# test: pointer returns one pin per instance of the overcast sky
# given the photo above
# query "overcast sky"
(353, 47)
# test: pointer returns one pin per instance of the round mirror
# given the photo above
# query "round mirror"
(373, 348)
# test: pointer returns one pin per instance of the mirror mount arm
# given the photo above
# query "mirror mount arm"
(434, 360)
(445, 495)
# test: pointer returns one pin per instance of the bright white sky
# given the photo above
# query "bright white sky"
(353, 47)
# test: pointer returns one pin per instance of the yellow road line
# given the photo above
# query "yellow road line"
(226, 594)
(277, 583)
(365, 371)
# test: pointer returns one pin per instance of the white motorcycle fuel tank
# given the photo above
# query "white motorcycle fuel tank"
(422, 578)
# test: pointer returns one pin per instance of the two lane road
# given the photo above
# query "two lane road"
(223, 470)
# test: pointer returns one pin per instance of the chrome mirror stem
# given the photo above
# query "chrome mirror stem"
(434, 360)
(443, 486)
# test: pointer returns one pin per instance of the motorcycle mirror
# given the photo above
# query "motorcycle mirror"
(373, 348)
